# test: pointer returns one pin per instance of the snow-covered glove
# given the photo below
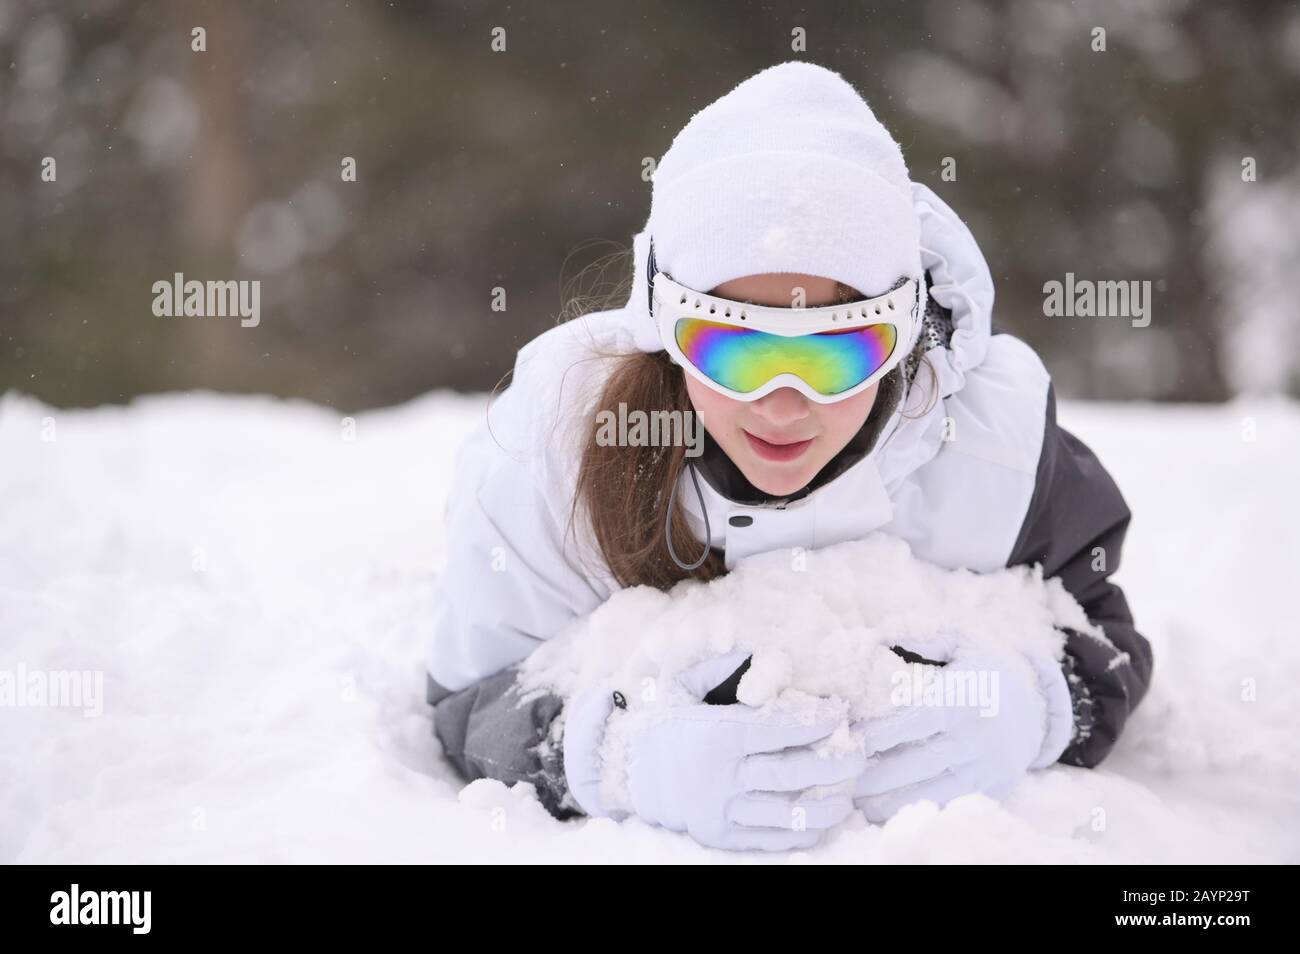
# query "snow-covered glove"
(991, 716)
(729, 776)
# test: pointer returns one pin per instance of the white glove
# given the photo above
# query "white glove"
(938, 752)
(728, 776)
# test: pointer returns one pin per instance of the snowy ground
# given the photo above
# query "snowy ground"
(249, 582)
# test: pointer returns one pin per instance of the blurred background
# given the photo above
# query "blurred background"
(522, 170)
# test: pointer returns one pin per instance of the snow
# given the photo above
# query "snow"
(854, 601)
(252, 578)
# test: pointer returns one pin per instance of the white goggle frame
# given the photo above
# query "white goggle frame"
(672, 301)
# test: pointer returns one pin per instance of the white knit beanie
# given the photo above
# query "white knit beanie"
(789, 172)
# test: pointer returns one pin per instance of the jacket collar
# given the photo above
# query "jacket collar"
(856, 502)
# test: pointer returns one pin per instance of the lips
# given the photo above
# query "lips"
(777, 451)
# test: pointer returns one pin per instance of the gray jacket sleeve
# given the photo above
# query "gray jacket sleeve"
(489, 730)
(1075, 528)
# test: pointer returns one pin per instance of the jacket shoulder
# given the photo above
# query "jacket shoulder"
(556, 379)
(966, 505)
(1000, 414)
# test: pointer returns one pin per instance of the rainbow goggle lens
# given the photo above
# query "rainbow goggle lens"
(745, 351)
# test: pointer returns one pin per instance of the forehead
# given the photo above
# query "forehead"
(783, 289)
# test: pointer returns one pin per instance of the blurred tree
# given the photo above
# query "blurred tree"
(480, 170)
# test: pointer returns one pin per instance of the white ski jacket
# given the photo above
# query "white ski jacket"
(983, 480)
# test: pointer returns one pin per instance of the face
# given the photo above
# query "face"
(783, 439)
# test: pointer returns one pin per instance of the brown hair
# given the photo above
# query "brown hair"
(623, 491)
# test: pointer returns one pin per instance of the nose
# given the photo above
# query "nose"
(783, 407)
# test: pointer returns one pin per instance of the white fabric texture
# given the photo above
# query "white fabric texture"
(791, 171)
(733, 777)
(962, 284)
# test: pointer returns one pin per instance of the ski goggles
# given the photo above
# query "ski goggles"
(746, 351)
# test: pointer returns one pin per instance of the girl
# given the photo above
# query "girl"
(829, 322)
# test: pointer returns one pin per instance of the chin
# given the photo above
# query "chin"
(779, 484)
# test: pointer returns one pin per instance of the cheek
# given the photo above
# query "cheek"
(844, 419)
(718, 412)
